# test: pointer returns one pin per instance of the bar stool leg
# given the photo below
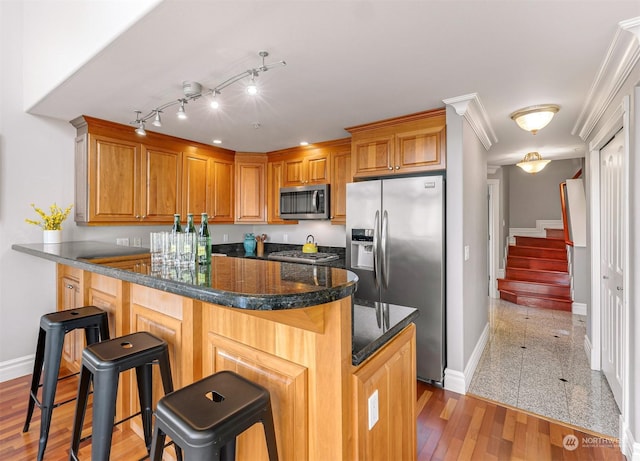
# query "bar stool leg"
(53, 353)
(105, 387)
(35, 378)
(270, 433)
(81, 407)
(157, 445)
(145, 387)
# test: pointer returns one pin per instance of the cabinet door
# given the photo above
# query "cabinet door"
(420, 150)
(274, 183)
(372, 156)
(196, 184)
(114, 180)
(223, 185)
(71, 298)
(317, 169)
(340, 176)
(293, 171)
(250, 191)
(161, 185)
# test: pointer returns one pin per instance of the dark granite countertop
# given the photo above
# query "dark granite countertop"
(374, 324)
(248, 283)
(234, 282)
(236, 250)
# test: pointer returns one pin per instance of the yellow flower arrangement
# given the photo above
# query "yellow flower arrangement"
(52, 221)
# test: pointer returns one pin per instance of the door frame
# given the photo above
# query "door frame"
(493, 186)
(619, 120)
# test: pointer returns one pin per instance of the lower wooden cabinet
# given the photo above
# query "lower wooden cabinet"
(389, 375)
(70, 296)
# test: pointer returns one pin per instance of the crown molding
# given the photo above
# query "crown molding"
(492, 169)
(470, 107)
(622, 56)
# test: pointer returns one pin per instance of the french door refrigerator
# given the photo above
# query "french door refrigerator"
(395, 244)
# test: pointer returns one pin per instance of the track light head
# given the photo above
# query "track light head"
(182, 115)
(157, 121)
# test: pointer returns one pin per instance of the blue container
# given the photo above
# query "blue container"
(249, 243)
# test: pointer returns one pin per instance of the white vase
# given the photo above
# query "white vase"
(52, 236)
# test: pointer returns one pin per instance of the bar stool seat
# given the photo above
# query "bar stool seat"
(204, 418)
(53, 328)
(102, 363)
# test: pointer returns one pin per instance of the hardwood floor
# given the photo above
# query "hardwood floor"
(450, 426)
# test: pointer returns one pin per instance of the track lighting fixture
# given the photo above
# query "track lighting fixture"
(182, 115)
(194, 90)
(157, 122)
(140, 122)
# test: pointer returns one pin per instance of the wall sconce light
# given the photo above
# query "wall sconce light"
(533, 163)
(534, 118)
(194, 90)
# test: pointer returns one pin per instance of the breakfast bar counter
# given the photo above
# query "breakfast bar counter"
(292, 328)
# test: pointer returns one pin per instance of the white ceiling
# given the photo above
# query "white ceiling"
(350, 63)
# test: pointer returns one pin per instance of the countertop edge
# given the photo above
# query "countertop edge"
(210, 295)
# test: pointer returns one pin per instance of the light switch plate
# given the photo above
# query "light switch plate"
(466, 252)
(373, 409)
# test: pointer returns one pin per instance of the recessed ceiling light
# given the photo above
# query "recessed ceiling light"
(304, 143)
(217, 141)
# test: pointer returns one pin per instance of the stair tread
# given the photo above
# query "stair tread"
(537, 271)
(551, 284)
(527, 294)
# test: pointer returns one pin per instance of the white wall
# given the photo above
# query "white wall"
(466, 216)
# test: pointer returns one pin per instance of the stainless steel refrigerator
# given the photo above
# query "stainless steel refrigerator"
(395, 244)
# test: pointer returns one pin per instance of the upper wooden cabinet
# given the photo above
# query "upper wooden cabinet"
(410, 144)
(303, 168)
(250, 177)
(275, 181)
(340, 176)
(122, 178)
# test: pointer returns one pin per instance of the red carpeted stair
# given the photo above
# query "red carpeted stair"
(537, 272)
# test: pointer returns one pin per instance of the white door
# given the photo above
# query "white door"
(613, 253)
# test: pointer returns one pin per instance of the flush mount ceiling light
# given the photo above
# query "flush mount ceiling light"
(533, 163)
(194, 90)
(534, 118)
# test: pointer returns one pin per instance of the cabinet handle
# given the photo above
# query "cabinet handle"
(619, 288)
(137, 216)
(397, 167)
(390, 168)
(70, 287)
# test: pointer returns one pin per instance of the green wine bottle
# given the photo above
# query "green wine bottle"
(176, 224)
(204, 242)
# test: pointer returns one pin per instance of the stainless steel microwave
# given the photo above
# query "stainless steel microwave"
(305, 202)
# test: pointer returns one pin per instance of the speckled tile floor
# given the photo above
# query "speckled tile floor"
(535, 360)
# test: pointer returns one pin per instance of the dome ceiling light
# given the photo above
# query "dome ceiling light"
(194, 90)
(534, 118)
(533, 163)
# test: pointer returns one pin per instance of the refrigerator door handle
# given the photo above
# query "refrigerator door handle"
(376, 263)
(384, 250)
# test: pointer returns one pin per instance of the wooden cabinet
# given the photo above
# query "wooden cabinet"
(340, 176)
(123, 178)
(410, 144)
(306, 168)
(250, 175)
(390, 375)
(275, 181)
(70, 297)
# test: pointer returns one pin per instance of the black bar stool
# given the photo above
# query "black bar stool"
(102, 363)
(204, 418)
(53, 328)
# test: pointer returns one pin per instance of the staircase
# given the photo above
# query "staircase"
(537, 272)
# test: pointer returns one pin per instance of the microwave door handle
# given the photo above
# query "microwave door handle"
(376, 269)
(315, 200)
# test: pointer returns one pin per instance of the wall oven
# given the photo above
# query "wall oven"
(305, 202)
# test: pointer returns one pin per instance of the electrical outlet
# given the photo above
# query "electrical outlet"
(285, 238)
(137, 242)
(373, 409)
(122, 241)
(225, 238)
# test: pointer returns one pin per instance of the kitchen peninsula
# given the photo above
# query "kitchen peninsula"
(292, 328)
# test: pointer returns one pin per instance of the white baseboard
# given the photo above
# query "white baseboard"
(459, 382)
(16, 368)
(629, 447)
(538, 231)
(587, 349)
(579, 308)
